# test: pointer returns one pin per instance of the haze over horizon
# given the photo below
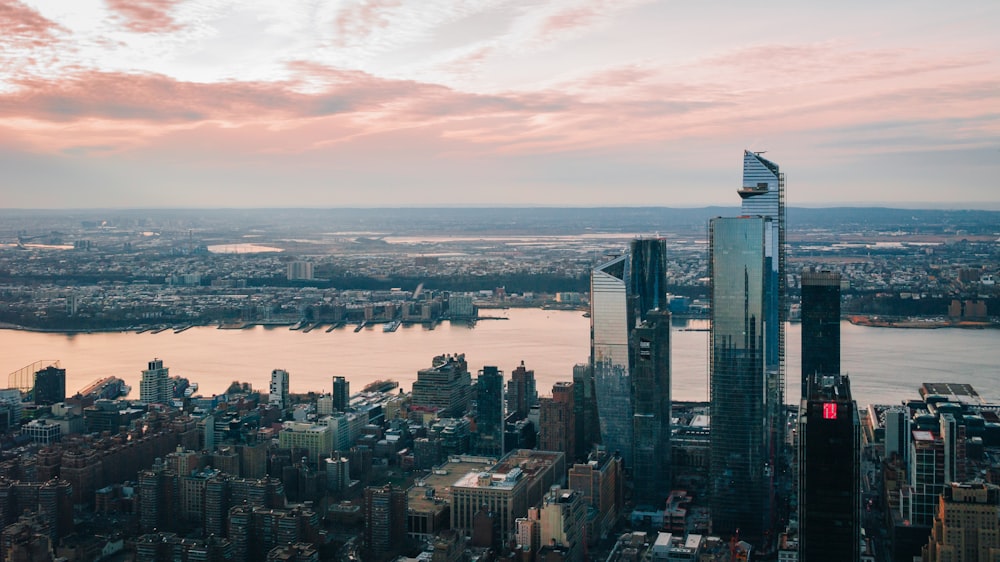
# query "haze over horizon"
(451, 103)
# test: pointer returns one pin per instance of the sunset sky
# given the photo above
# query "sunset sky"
(250, 103)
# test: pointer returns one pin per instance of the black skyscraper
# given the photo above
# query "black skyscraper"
(50, 385)
(489, 412)
(829, 472)
(341, 394)
(820, 324)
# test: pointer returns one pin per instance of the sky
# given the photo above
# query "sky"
(310, 103)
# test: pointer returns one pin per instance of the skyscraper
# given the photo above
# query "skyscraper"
(385, 521)
(155, 385)
(489, 412)
(341, 394)
(622, 292)
(522, 393)
(965, 527)
(738, 483)
(651, 402)
(446, 386)
(50, 385)
(278, 390)
(829, 471)
(820, 324)
(747, 351)
(557, 420)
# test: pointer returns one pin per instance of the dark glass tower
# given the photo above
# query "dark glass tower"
(341, 394)
(622, 292)
(50, 385)
(739, 473)
(651, 405)
(820, 325)
(829, 471)
(489, 412)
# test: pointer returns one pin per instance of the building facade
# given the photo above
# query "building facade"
(155, 386)
(622, 292)
(50, 385)
(557, 420)
(829, 471)
(489, 413)
(522, 392)
(965, 527)
(446, 386)
(738, 482)
(341, 394)
(652, 411)
(820, 324)
(278, 389)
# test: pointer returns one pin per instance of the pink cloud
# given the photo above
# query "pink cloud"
(357, 21)
(146, 16)
(22, 26)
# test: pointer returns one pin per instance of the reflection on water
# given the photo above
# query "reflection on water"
(886, 365)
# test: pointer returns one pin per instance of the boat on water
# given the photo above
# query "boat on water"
(391, 326)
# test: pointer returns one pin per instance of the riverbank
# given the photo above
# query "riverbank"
(914, 323)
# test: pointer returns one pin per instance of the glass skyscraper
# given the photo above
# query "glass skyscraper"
(738, 452)
(820, 324)
(622, 292)
(747, 349)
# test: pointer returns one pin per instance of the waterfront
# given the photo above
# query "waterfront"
(886, 365)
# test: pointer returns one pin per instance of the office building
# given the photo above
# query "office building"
(763, 195)
(515, 483)
(489, 413)
(278, 390)
(557, 420)
(747, 351)
(585, 409)
(50, 385)
(299, 271)
(738, 478)
(446, 387)
(155, 387)
(651, 409)
(829, 471)
(522, 393)
(385, 521)
(622, 292)
(965, 526)
(341, 394)
(316, 438)
(563, 522)
(820, 324)
(601, 481)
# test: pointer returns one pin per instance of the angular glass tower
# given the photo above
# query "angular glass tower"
(609, 333)
(738, 473)
(622, 292)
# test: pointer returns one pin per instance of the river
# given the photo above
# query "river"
(886, 365)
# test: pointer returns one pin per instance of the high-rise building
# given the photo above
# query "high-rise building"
(747, 350)
(829, 471)
(601, 481)
(820, 324)
(585, 408)
(763, 194)
(385, 521)
(557, 420)
(50, 385)
(489, 412)
(651, 404)
(155, 385)
(446, 386)
(341, 394)
(738, 478)
(278, 391)
(965, 527)
(562, 522)
(622, 292)
(522, 393)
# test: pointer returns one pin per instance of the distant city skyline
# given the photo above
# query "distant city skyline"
(193, 104)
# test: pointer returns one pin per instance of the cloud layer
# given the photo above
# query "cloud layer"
(179, 103)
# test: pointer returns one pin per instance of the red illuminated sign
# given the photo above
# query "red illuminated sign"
(830, 411)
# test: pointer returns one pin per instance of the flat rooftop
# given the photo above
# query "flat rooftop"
(441, 479)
